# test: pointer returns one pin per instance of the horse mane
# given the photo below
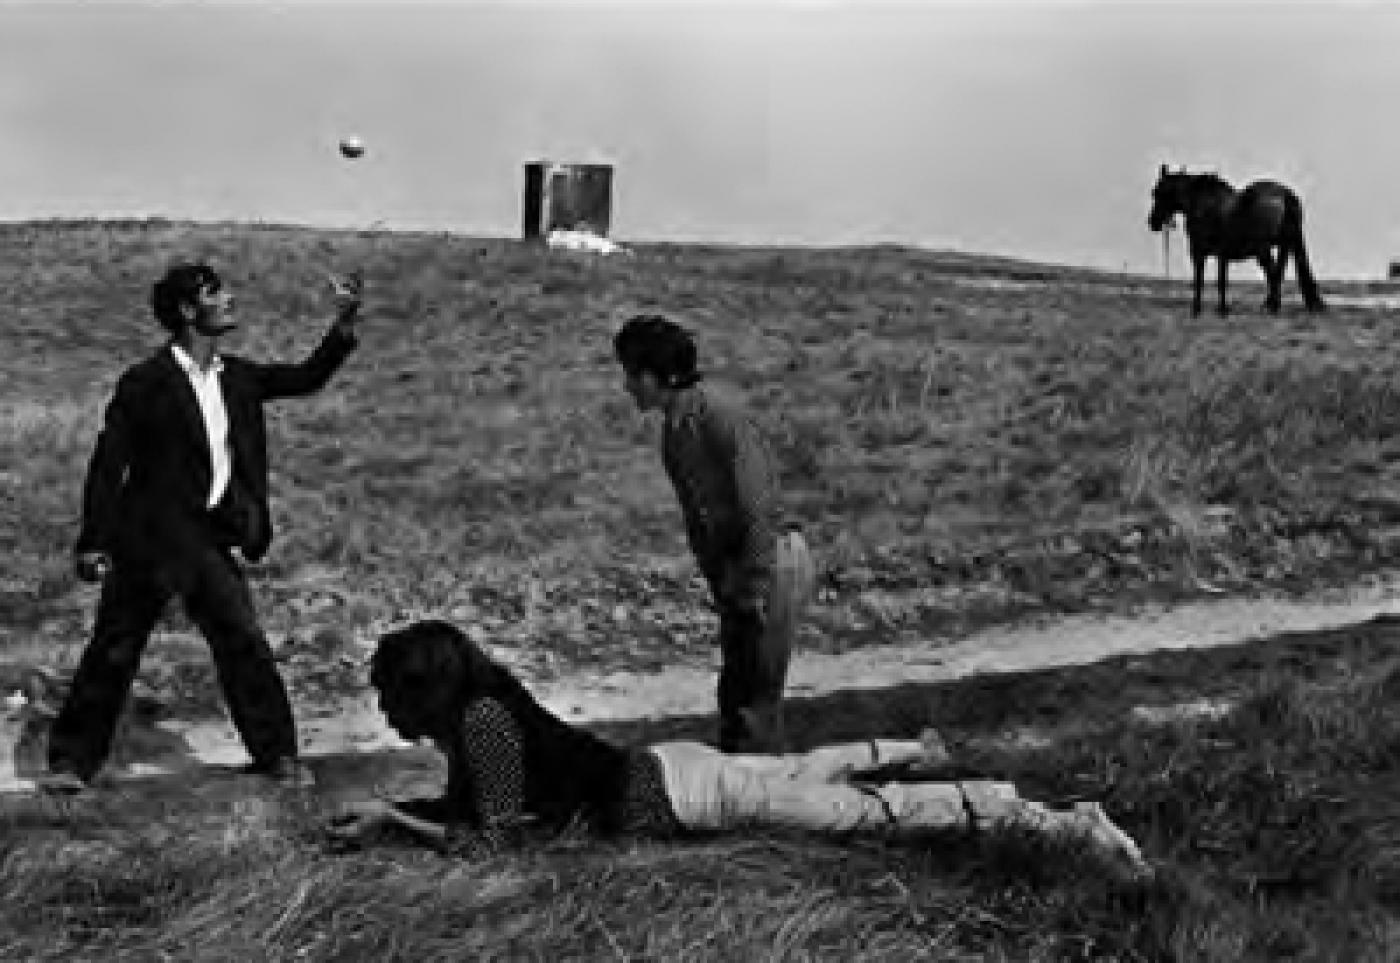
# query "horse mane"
(1204, 184)
(1211, 179)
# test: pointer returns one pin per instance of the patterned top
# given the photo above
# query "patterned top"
(492, 795)
(726, 482)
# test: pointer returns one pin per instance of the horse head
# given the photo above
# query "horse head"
(1168, 197)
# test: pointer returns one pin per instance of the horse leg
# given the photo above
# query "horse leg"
(1273, 277)
(1280, 269)
(1223, 281)
(1293, 238)
(1312, 297)
(1198, 265)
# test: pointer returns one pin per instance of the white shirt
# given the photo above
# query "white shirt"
(210, 395)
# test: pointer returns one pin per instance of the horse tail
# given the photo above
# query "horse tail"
(1307, 281)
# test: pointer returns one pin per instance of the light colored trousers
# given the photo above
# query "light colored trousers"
(713, 791)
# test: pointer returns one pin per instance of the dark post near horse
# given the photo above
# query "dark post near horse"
(1264, 222)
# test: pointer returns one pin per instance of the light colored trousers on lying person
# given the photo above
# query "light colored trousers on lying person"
(713, 791)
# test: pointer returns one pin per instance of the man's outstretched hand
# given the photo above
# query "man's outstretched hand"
(347, 290)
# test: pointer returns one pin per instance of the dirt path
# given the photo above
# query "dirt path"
(1042, 643)
(354, 724)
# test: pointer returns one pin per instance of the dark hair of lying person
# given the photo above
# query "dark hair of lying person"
(450, 691)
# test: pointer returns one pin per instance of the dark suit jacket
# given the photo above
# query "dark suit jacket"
(148, 481)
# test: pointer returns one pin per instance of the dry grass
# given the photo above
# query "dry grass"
(1272, 828)
(965, 439)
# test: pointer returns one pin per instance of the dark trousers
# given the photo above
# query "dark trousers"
(216, 598)
(758, 619)
(752, 674)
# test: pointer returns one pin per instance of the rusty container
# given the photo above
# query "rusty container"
(567, 197)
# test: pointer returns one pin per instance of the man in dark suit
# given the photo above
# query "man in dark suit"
(177, 480)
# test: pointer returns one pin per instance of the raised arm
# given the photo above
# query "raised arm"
(310, 375)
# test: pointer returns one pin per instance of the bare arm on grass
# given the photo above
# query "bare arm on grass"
(484, 806)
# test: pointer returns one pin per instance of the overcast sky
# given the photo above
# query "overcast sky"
(1029, 129)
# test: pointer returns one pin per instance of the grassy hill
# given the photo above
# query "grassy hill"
(965, 439)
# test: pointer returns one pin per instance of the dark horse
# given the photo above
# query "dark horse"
(1231, 225)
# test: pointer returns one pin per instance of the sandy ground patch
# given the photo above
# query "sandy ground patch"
(1386, 302)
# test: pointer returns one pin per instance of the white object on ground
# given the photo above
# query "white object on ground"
(585, 241)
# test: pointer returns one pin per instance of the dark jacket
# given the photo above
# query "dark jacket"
(725, 478)
(148, 481)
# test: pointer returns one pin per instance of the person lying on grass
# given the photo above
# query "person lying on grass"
(512, 763)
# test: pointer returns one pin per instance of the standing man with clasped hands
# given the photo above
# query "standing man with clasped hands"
(176, 482)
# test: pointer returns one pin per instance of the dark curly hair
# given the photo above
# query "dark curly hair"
(181, 286)
(435, 673)
(432, 663)
(649, 342)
